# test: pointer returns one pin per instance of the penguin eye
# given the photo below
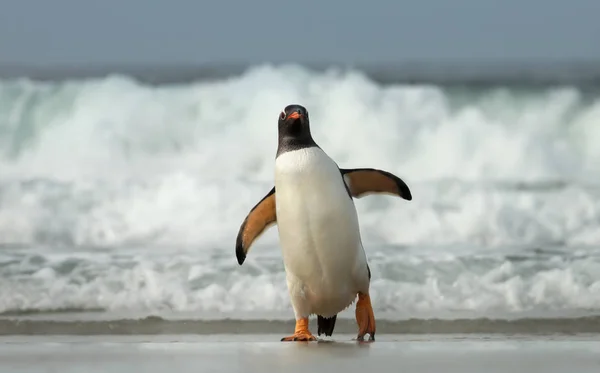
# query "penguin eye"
(282, 115)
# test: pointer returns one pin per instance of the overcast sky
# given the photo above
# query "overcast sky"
(187, 31)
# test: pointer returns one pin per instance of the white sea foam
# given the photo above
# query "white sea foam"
(95, 168)
(405, 283)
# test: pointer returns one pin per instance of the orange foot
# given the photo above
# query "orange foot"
(365, 318)
(301, 333)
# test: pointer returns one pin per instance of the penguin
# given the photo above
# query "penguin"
(312, 205)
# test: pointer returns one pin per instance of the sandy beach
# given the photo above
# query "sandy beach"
(264, 353)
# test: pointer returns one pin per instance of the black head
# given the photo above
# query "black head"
(294, 122)
(294, 129)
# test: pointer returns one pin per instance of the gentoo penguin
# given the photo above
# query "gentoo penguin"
(312, 205)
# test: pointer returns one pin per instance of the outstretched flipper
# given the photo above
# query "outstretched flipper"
(364, 181)
(260, 218)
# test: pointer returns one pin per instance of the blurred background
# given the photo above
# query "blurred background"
(136, 135)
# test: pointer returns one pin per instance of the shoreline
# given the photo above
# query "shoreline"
(154, 325)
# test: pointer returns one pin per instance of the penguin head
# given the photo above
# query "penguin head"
(294, 122)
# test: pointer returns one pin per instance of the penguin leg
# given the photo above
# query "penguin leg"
(301, 310)
(301, 333)
(326, 325)
(365, 318)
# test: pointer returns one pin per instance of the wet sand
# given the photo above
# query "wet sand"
(86, 324)
(88, 342)
(264, 353)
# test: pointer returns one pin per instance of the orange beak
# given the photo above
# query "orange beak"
(294, 115)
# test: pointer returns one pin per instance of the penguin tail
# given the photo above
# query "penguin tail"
(325, 325)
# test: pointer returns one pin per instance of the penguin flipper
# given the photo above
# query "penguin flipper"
(365, 181)
(260, 218)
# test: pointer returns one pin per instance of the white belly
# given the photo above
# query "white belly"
(319, 234)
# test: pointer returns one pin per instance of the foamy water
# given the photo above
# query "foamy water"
(121, 196)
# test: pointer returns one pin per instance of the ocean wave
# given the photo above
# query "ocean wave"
(114, 162)
(140, 190)
(406, 281)
(116, 127)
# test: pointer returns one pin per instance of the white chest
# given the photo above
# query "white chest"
(316, 218)
(309, 187)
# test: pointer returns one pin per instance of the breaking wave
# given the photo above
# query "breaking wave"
(119, 195)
